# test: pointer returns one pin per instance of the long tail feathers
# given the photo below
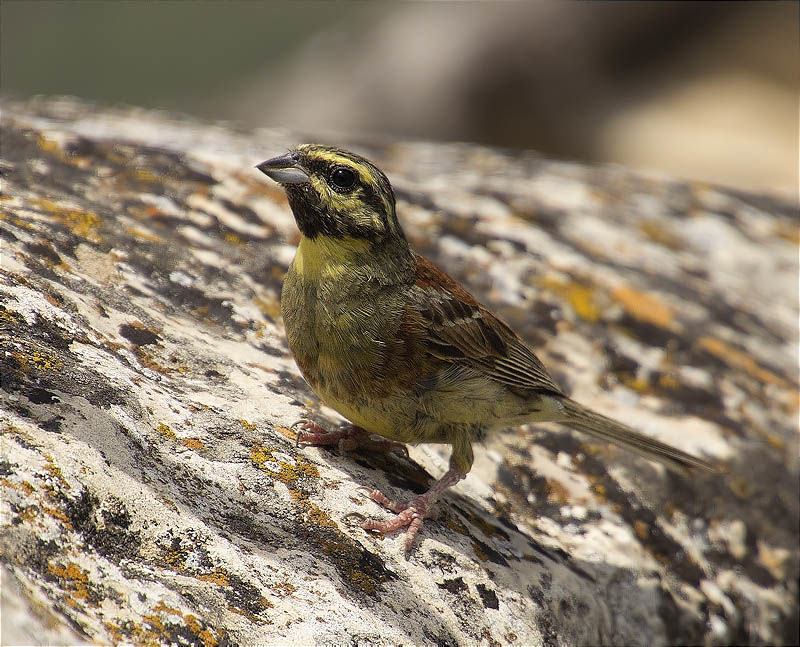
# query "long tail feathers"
(586, 420)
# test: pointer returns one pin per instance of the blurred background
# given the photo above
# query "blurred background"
(704, 91)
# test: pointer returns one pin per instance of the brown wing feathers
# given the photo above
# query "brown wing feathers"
(460, 328)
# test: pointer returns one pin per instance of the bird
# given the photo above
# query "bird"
(400, 348)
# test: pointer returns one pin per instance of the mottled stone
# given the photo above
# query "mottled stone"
(152, 492)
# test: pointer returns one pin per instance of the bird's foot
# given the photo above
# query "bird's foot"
(346, 438)
(409, 514)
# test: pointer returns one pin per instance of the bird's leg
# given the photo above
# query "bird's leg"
(346, 438)
(412, 513)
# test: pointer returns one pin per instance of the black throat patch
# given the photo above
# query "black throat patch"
(311, 216)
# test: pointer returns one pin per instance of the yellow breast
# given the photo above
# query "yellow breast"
(325, 258)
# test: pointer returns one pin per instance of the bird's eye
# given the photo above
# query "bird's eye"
(343, 178)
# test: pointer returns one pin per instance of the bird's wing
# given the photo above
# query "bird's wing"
(457, 328)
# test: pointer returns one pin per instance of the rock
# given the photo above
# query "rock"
(152, 491)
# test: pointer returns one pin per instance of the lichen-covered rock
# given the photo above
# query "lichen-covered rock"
(152, 492)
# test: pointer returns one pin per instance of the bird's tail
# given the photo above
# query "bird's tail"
(586, 420)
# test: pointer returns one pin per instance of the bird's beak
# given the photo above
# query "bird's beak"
(284, 169)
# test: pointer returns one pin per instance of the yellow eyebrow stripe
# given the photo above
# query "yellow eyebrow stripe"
(334, 158)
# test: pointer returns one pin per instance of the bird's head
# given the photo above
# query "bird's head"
(336, 194)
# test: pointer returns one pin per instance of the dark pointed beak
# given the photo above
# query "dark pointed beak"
(284, 169)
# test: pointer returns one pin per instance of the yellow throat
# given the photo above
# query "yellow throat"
(326, 258)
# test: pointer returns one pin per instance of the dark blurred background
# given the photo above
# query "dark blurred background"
(697, 90)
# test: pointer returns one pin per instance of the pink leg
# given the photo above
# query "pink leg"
(346, 438)
(412, 513)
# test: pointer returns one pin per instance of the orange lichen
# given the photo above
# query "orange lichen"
(556, 492)
(738, 359)
(75, 578)
(143, 234)
(642, 529)
(158, 632)
(193, 443)
(25, 487)
(644, 307)
(480, 553)
(218, 576)
(58, 514)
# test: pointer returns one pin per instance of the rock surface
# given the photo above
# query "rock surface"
(152, 492)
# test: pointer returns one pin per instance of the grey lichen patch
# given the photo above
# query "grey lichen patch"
(363, 572)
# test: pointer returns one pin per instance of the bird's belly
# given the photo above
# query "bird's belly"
(383, 416)
(474, 405)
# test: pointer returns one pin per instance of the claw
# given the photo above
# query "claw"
(354, 515)
(297, 434)
(303, 426)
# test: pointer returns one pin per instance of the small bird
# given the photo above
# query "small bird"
(399, 347)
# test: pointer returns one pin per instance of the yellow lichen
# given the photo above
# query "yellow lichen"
(318, 516)
(599, 489)
(487, 528)
(165, 431)
(260, 455)
(37, 359)
(660, 235)
(455, 526)
(47, 145)
(55, 471)
(143, 234)
(247, 425)
(579, 296)
(144, 175)
(638, 384)
(669, 381)
(232, 238)
(83, 224)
